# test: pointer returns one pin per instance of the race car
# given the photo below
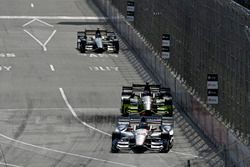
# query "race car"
(97, 41)
(146, 99)
(140, 134)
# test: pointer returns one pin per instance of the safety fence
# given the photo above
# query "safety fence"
(186, 98)
(207, 37)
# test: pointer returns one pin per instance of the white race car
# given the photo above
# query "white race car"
(140, 134)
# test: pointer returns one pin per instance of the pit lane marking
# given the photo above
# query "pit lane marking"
(29, 22)
(52, 67)
(75, 115)
(39, 42)
(36, 19)
(5, 164)
(5, 68)
(63, 152)
(44, 23)
(7, 55)
(50, 37)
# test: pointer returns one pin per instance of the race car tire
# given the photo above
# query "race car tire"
(114, 148)
(78, 45)
(116, 45)
(166, 147)
(115, 138)
(82, 47)
(171, 144)
(125, 113)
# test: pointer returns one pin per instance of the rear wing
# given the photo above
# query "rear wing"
(140, 87)
(93, 32)
(123, 121)
(127, 91)
(153, 88)
(149, 119)
(80, 34)
(165, 91)
(168, 121)
(111, 34)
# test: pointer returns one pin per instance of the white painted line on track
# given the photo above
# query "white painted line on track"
(31, 21)
(36, 19)
(5, 164)
(32, 5)
(65, 153)
(75, 115)
(44, 45)
(52, 67)
(101, 68)
(40, 43)
(56, 17)
(44, 23)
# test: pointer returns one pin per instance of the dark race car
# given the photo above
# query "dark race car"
(97, 41)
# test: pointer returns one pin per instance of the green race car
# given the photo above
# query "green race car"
(145, 99)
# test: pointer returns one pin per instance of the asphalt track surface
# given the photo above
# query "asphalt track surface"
(58, 107)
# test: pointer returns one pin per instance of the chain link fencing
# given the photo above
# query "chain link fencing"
(211, 36)
(218, 44)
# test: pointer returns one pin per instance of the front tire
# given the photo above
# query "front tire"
(166, 147)
(115, 138)
(114, 148)
(165, 142)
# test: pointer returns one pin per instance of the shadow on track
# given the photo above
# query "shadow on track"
(82, 23)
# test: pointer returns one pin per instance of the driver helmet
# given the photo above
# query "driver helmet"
(143, 123)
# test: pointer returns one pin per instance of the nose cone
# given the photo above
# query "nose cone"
(98, 42)
(140, 137)
(147, 102)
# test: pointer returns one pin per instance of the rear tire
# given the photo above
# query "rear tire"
(82, 47)
(124, 112)
(171, 144)
(78, 45)
(116, 45)
(115, 138)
